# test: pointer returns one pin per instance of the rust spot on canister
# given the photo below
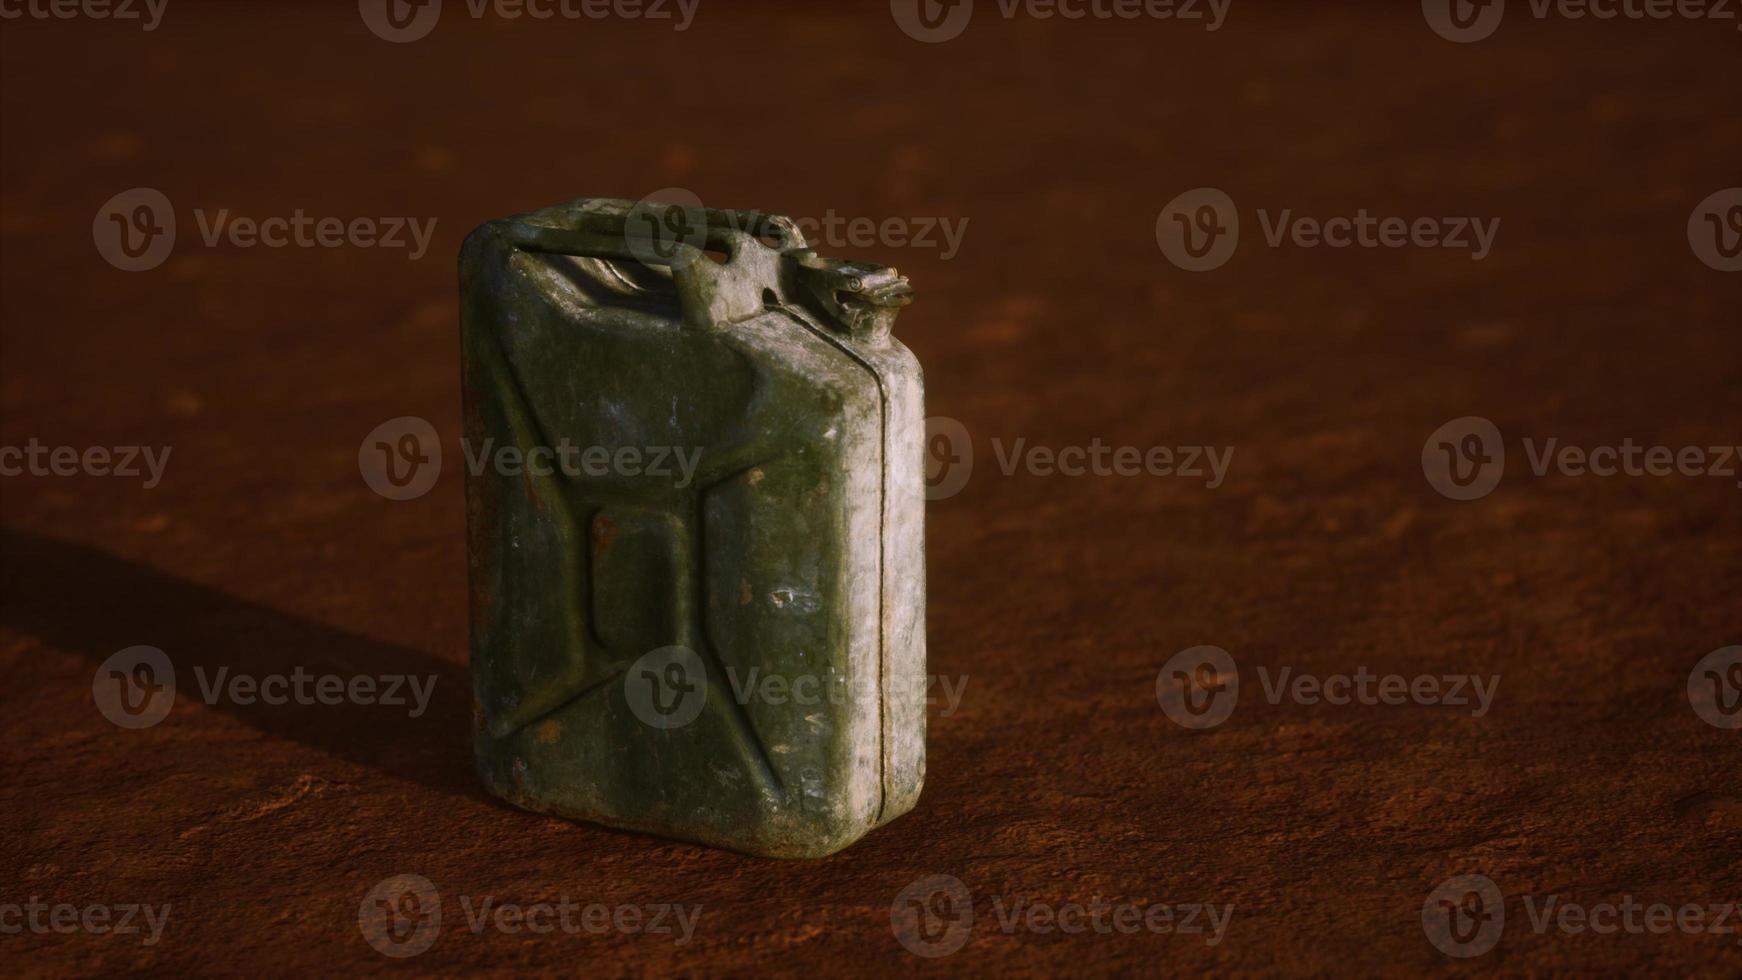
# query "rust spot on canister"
(531, 488)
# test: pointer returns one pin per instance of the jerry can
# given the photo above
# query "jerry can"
(695, 527)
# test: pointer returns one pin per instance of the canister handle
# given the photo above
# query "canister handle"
(604, 229)
(711, 294)
(766, 255)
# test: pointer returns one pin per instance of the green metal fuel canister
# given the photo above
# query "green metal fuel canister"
(695, 526)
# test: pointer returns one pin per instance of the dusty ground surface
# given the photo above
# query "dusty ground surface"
(1058, 779)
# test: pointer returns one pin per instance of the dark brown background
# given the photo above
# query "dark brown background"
(1059, 780)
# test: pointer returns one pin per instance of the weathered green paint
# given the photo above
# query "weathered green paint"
(794, 551)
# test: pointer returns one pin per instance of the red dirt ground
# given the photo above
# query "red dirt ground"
(1059, 779)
